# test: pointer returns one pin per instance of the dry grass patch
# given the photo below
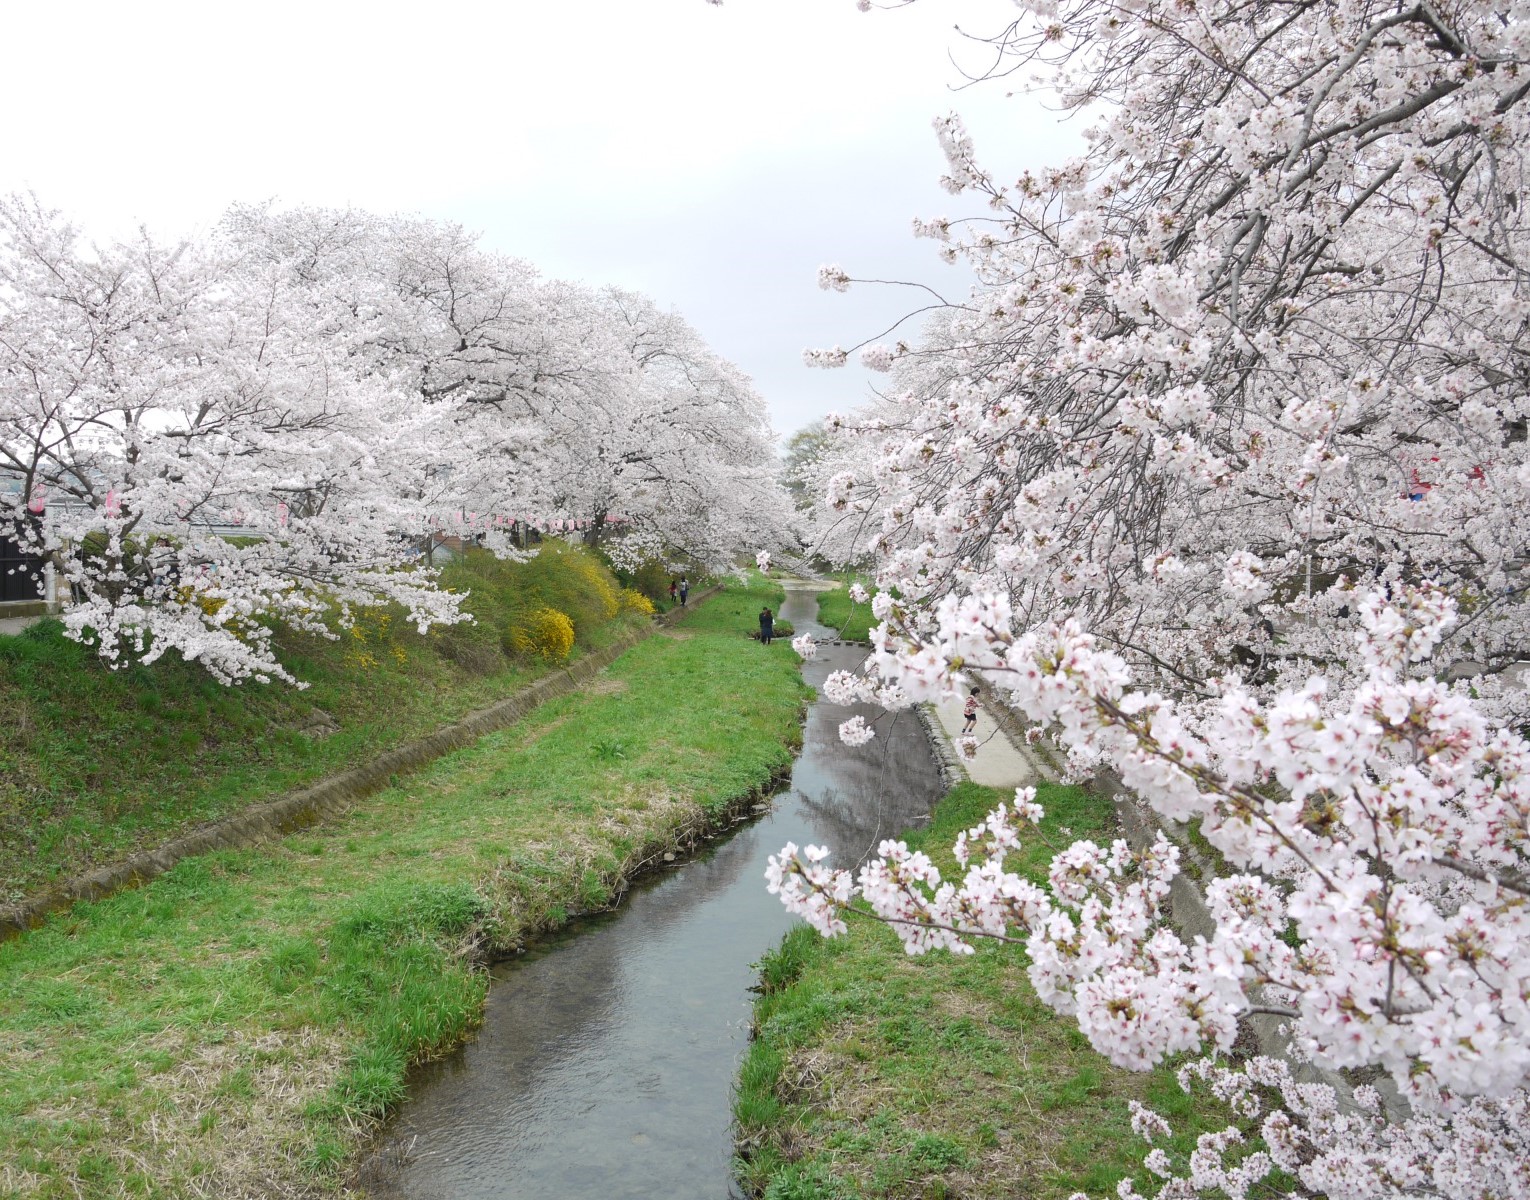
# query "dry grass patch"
(206, 1119)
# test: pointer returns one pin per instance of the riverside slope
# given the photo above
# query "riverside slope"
(235, 1026)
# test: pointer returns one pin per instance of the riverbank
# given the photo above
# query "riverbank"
(235, 1027)
(605, 1065)
(307, 806)
(851, 622)
(97, 764)
(878, 1075)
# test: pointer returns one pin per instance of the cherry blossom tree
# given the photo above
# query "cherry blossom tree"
(681, 449)
(166, 392)
(1220, 472)
(487, 352)
(267, 425)
(799, 460)
(593, 412)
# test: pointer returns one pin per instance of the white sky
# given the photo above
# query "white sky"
(711, 157)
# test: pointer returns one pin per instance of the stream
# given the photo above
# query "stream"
(605, 1065)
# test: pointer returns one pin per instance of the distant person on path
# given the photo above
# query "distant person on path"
(970, 712)
(767, 625)
(685, 590)
(672, 586)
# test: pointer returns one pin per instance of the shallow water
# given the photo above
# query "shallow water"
(605, 1065)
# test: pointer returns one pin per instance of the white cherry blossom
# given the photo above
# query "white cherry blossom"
(1219, 473)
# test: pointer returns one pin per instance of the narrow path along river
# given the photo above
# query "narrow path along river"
(606, 1061)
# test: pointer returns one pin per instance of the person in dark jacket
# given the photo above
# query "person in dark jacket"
(767, 625)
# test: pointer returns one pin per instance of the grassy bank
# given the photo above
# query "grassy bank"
(95, 763)
(877, 1075)
(839, 612)
(234, 1027)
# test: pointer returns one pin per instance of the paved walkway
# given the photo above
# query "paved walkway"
(999, 762)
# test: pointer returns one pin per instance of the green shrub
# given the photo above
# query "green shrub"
(652, 579)
(635, 601)
(475, 647)
(563, 577)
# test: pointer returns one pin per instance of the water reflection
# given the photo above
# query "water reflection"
(605, 1065)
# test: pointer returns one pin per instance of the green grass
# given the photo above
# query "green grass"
(876, 1075)
(837, 611)
(96, 763)
(233, 1027)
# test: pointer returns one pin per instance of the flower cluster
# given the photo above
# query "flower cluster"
(1220, 471)
(288, 427)
(808, 888)
(833, 278)
(855, 731)
(1377, 846)
(827, 359)
(1346, 1149)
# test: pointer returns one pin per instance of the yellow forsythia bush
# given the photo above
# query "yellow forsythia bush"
(634, 601)
(208, 604)
(590, 573)
(371, 631)
(546, 633)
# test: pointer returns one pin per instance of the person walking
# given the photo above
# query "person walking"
(970, 711)
(685, 590)
(672, 588)
(767, 625)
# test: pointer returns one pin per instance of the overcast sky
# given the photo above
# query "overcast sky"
(712, 157)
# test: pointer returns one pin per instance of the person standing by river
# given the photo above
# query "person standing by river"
(970, 712)
(767, 625)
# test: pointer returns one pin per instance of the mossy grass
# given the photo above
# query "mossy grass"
(234, 1027)
(836, 610)
(95, 763)
(877, 1075)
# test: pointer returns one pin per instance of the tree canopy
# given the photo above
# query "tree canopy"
(264, 424)
(1220, 472)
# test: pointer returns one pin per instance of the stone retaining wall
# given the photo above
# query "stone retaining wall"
(947, 766)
